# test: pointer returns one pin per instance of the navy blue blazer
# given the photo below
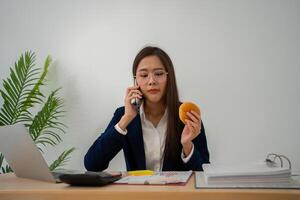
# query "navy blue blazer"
(111, 142)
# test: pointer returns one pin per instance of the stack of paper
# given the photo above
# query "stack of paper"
(250, 173)
(158, 178)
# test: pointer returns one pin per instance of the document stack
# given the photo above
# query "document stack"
(250, 173)
(270, 173)
(265, 172)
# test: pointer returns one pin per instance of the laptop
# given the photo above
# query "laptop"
(23, 156)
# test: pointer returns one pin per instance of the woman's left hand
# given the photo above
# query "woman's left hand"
(191, 129)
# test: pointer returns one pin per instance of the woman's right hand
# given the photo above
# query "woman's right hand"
(130, 110)
(131, 93)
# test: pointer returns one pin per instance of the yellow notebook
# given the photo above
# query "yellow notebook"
(140, 172)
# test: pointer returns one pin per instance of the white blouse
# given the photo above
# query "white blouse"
(154, 140)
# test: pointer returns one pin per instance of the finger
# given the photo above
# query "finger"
(197, 115)
(137, 91)
(193, 117)
(131, 92)
(196, 126)
(188, 123)
(132, 88)
(134, 96)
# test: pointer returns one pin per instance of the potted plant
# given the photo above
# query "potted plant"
(21, 93)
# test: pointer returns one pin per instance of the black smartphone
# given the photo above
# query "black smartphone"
(136, 102)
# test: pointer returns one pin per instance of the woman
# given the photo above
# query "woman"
(151, 137)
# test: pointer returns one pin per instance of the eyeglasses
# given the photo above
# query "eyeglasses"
(144, 76)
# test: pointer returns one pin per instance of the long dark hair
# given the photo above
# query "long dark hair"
(173, 145)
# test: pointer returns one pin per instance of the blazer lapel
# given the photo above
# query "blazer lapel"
(137, 141)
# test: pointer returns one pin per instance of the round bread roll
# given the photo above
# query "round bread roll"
(186, 107)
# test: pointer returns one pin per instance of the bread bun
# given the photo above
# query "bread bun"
(186, 107)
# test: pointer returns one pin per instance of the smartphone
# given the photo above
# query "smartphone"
(136, 102)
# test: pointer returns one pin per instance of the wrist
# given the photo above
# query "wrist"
(124, 121)
(187, 148)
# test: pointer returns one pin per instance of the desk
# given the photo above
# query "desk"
(12, 187)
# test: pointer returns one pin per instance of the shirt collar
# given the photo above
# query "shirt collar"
(143, 116)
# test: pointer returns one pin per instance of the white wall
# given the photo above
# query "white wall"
(239, 60)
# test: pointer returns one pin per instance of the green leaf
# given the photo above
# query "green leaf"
(1, 159)
(5, 169)
(46, 128)
(14, 88)
(36, 89)
(61, 160)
